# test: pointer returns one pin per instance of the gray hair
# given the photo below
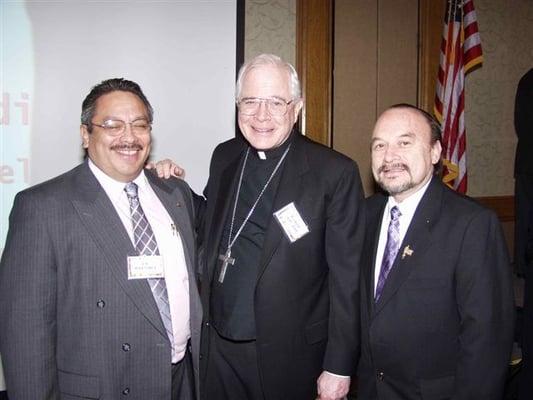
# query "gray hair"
(273, 60)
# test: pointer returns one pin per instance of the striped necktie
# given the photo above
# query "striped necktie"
(146, 245)
(391, 249)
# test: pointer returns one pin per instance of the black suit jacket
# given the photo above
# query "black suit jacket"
(306, 293)
(523, 122)
(442, 328)
(72, 324)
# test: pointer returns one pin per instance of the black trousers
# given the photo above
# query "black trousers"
(183, 379)
(232, 370)
(523, 242)
(524, 263)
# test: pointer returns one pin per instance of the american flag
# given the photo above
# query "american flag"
(460, 53)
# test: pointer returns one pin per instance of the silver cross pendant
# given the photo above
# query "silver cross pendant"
(226, 260)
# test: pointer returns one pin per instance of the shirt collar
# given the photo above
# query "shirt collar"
(112, 187)
(409, 204)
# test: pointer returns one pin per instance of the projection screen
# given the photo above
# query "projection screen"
(182, 53)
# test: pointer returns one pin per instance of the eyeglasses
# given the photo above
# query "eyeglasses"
(275, 106)
(117, 127)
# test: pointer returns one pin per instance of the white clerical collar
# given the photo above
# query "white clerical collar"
(275, 152)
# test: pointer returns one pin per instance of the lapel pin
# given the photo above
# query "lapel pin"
(178, 204)
(407, 252)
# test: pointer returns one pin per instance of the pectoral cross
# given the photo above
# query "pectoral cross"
(226, 260)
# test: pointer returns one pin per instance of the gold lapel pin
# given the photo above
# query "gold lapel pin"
(407, 251)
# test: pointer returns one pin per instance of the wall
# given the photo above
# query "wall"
(375, 66)
(506, 29)
(270, 27)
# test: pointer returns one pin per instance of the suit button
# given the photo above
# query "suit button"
(207, 323)
(126, 346)
(201, 356)
(381, 376)
(126, 391)
(100, 303)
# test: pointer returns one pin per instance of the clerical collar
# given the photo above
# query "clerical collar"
(274, 153)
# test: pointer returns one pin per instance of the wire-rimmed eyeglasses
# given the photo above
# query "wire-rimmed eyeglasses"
(275, 106)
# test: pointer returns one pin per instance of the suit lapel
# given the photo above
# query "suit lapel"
(174, 203)
(373, 228)
(289, 190)
(99, 217)
(418, 238)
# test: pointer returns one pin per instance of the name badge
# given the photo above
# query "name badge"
(292, 222)
(144, 267)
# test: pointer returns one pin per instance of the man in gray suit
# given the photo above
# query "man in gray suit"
(98, 297)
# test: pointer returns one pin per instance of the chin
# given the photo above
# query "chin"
(262, 144)
(394, 188)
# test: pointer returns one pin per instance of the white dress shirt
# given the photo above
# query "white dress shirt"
(170, 248)
(407, 209)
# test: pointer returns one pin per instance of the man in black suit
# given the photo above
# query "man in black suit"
(523, 255)
(282, 238)
(523, 169)
(437, 309)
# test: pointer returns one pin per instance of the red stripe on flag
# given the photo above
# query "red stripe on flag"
(455, 62)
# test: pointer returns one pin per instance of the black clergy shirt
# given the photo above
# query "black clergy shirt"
(232, 301)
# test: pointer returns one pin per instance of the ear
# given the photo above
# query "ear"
(298, 104)
(436, 149)
(85, 135)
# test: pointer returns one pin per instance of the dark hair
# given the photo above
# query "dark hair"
(434, 127)
(111, 85)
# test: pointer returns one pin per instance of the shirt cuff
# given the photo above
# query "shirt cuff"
(338, 376)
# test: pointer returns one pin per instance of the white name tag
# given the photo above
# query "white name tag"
(144, 267)
(291, 221)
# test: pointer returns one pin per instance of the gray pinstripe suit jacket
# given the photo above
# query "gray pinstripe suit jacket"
(71, 324)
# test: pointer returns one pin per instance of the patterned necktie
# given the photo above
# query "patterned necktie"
(145, 244)
(391, 249)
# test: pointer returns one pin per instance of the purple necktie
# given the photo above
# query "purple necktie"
(391, 249)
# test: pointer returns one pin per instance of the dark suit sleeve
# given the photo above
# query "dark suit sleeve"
(199, 203)
(28, 304)
(523, 111)
(486, 309)
(343, 243)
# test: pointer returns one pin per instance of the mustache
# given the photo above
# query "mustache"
(124, 146)
(386, 167)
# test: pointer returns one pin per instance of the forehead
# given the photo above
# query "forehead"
(119, 101)
(400, 122)
(265, 81)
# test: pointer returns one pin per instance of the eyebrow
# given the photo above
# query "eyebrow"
(403, 135)
(263, 98)
(408, 134)
(137, 118)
